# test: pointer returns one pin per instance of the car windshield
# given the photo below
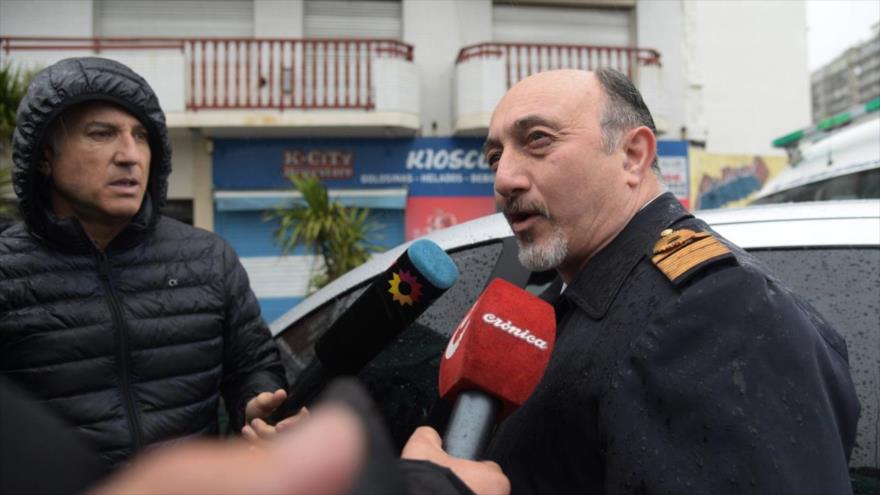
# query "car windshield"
(862, 185)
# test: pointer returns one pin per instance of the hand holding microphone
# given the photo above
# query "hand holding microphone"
(493, 362)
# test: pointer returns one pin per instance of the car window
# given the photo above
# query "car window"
(844, 285)
(403, 378)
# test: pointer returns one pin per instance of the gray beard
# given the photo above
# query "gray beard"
(546, 256)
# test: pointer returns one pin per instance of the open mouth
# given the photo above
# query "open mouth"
(521, 221)
(124, 183)
(522, 214)
(519, 216)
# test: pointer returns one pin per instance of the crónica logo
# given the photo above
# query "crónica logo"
(508, 327)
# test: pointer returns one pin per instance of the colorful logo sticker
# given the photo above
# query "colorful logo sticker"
(405, 288)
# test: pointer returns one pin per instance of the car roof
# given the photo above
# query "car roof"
(820, 223)
(826, 223)
(850, 150)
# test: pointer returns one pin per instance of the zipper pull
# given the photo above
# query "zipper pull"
(103, 266)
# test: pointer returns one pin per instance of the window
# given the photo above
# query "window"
(179, 209)
(863, 185)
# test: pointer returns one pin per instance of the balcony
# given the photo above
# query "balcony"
(484, 72)
(235, 86)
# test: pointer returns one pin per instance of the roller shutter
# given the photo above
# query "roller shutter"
(353, 19)
(563, 25)
(179, 18)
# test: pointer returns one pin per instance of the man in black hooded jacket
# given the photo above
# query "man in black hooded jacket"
(127, 323)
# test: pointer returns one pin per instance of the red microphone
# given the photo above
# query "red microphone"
(493, 362)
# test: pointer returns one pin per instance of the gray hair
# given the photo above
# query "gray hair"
(624, 110)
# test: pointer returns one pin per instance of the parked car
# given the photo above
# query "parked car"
(829, 252)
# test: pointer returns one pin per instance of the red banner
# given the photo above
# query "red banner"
(429, 213)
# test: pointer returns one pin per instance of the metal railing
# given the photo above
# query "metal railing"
(524, 59)
(254, 73)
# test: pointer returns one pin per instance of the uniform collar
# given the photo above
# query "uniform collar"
(598, 283)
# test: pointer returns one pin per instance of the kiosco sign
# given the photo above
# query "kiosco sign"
(443, 159)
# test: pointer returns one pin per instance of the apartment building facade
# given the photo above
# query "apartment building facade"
(388, 101)
(851, 79)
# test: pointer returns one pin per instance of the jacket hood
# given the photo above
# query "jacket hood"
(57, 88)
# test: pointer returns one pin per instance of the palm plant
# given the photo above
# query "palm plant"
(338, 234)
(7, 205)
(13, 86)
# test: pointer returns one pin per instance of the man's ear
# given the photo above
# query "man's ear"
(45, 167)
(640, 148)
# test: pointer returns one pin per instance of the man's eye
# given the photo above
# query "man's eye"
(538, 138)
(101, 134)
(141, 136)
(492, 159)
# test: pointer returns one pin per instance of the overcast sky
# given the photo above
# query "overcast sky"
(835, 25)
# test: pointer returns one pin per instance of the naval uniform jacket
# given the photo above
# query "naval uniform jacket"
(721, 382)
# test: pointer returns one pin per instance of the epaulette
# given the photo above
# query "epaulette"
(681, 253)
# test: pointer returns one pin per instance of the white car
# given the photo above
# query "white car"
(840, 163)
(829, 252)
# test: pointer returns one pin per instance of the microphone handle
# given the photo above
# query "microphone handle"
(470, 424)
(307, 386)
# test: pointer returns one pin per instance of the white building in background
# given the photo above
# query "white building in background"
(851, 79)
(256, 89)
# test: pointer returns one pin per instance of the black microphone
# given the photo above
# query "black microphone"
(390, 304)
(493, 362)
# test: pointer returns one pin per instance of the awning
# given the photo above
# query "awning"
(383, 199)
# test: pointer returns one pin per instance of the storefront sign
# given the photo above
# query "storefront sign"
(326, 164)
(672, 157)
(425, 166)
(727, 180)
(436, 167)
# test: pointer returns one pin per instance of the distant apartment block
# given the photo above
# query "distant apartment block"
(849, 80)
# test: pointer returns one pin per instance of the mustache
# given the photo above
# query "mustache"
(520, 207)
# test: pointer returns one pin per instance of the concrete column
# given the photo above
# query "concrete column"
(438, 29)
(661, 26)
(203, 180)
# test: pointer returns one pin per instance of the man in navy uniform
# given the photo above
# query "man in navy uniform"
(681, 364)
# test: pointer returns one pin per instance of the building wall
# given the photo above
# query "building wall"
(660, 25)
(180, 182)
(850, 79)
(747, 69)
(277, 19)
(439, 29)
(733, 77)
(46, 18)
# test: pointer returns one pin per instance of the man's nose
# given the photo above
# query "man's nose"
(511, 176)
(129, 150)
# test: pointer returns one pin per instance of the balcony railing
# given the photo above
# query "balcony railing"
(524, 59)
(251, 73)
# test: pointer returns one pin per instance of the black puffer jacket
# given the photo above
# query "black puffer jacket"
(134, 344)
